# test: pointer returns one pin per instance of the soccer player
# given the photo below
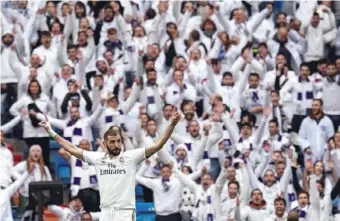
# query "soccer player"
(116, 169)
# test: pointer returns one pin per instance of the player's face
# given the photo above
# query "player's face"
(303, 200)
(232, 190)
(113, 145)
(279, 208)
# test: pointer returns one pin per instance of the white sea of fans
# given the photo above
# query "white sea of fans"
(257, 84)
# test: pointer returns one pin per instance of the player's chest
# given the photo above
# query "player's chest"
(114, 167)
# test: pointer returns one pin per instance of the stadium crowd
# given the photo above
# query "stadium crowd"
(257, 84)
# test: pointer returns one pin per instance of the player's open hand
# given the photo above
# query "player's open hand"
(45, 124)
(175, 118)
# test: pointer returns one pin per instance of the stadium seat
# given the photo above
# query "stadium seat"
(139, 191)
(145, 211)
(17, 157)
(54, 148)
(62, 169)
(11, 148)
(54, 145)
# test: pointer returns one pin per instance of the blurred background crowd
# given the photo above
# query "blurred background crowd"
(257, 83)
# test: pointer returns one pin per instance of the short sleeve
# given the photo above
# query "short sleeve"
(137, 155)
(91, 157)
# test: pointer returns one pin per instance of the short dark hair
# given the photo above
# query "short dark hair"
(281, 13)
(152, 120)
(280, 199)
(45, 33)
(263, 44)
(111, 132)
(254, 75)
(303, 192)
(150, 70)
(257, 189)
(84, 214)
(234, 182)
(330, 63)
(251, 117)
(167, 105)
(227, 73)
(185, 103)
(246, 125)
(195, 35)
(72, 47)
(150, 13)
(275, 92)
(320, 100)
(274, 120)
(322, 61)
(304, 64)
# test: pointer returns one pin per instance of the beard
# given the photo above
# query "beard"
(114, 152)
(8, 43)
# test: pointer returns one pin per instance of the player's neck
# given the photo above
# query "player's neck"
(111, 156)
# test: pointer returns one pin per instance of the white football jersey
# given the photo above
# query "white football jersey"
(116, 176)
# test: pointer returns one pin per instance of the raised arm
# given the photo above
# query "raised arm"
(69, 147)
(16, 185)
(314, 197)
(57, 210)
(140, 176)
(150, 150)
(186, 180)
(8, 126)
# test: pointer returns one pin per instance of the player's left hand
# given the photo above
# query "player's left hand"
(45, 124)
(175, 118)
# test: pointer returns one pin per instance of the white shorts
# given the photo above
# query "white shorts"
(113, 214)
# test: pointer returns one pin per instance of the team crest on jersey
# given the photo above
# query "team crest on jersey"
(121, 159)
(323, 127)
